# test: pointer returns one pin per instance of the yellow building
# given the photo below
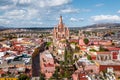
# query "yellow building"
(8, 78)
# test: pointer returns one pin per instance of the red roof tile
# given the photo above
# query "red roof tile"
(113, 49)
(103, 52)
(49, 65)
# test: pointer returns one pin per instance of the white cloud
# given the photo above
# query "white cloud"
(59, 2)
(99, 5)
(4, 21)
(42, 3)
(24, 1)
(70, 10)
(22, 14)
(15, 13)
(73, 19)
(76, 19)
(5, 7)
(118, 11)
(105, 18)
(74, 10)
(38, 23)
(51, 3)
(31, 12)
(85, 10)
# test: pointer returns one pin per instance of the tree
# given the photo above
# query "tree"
(68, 56)
(67, 67)
(48, 44)
(89, 57)
(65, 70)
(23, 77)
(77, 49)
(102, 49)
(42, 77)
(86, 41)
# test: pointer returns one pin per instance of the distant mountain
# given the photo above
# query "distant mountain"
(29, 28)
(2, 28)
(89, 27)
(102, 26)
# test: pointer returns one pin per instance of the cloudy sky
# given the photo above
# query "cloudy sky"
(45, 13)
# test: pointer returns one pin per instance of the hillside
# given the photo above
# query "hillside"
(102, 26)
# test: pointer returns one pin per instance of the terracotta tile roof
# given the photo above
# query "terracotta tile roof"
(82, 76)
(83, 79)
(49, 65)
(74, 40)
(1, 71)
(103, 52)
(113, 49)
(3, 49)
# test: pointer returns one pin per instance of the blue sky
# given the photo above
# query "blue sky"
(45, 13)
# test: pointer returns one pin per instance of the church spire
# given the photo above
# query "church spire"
(60, 31)
(60, 22)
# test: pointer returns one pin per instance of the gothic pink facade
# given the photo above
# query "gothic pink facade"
(60, 31)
